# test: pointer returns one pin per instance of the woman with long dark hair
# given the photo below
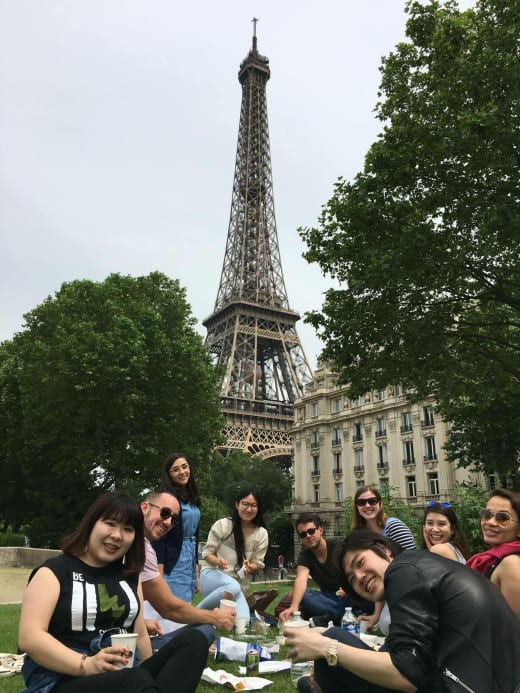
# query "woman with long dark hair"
(177, 550)
(74, 602)
(442, 533)
(235, 550)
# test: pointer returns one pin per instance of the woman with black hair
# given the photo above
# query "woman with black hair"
(442, 533)
(451, 630)
(235, 550)
(74, 602)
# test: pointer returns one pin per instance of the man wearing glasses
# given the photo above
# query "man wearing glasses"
(315, 560)
(161, 512)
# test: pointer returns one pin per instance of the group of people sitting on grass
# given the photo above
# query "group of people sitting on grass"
(450, 626)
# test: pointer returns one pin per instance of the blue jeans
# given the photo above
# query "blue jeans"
(334, 679)
(159, 641)
(315, 603)
(212, 583)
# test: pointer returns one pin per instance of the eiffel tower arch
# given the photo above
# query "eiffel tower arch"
(251, 333)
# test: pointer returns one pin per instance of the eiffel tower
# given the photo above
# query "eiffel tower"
(251, 333)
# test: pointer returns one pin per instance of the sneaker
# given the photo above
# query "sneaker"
(320, 621)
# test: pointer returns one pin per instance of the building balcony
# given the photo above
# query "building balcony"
(336, 442)
(314, 445)
(337, 471)
(357, 438)
(428, 423)
(409, 462)
(315, 473)
(381, 434)
(359, 468)
(406, 429)
(432, 457)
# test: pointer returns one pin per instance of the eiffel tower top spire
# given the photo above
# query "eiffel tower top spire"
(251, 333)
(252, 268)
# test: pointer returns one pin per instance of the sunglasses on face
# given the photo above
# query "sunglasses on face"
(502, 517)
(166, 513)
(360, 502)
(444, 505)
(310, 532)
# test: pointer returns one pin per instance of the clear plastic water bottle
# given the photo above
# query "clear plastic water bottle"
(298, 669)
(349, 622)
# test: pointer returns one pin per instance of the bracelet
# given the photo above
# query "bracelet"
(82, 671)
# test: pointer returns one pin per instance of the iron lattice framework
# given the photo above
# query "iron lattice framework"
(252, 333)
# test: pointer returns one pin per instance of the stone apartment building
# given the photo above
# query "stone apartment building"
(380, 439)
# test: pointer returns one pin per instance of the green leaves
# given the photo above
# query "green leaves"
(105, 379)
(424, 242)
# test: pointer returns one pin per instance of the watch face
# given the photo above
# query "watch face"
(332, 659)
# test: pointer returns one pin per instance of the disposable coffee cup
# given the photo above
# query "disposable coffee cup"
(129, 642)
(228, 604)
(242, 572)
(363, 626)
(240, 625)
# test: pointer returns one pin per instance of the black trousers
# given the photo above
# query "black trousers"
(175, 668)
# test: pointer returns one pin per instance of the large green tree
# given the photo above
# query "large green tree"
(104, 379)
(424, 242)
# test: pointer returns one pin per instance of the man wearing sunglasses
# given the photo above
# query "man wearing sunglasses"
(315, 560)
(161, 511)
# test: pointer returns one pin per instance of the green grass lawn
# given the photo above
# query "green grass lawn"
(9, 615)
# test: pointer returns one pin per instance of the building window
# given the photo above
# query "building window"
(338, 526)
(316, 489)
(314, 409)
(360, 483)
(358, 433)
(384, 486)
(382, 456)
(380, 427)
(411, 487)
(428, 419)
(409, 457)
(315, 470)
(358, 460)
(336, 405)
(430, 453)
(380, 395)
(336, 436)
(493, 482)
(433, 484)
(406, 422)
(357, 402)
(315, 439)
(338, 492)
(337, 463)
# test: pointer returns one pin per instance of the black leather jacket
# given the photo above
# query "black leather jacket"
(451, 629)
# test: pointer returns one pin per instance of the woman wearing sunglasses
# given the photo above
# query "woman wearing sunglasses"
(234, 551)
(75, 601)
(500, 525)
(442, 533)
(369, 513)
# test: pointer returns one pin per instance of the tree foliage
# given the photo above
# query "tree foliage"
(424, 243)
(103, 381)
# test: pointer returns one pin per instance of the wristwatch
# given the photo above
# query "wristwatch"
(332, 654)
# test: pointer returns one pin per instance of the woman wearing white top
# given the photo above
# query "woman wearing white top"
(235, 550)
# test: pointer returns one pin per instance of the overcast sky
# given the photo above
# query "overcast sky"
(118, 132)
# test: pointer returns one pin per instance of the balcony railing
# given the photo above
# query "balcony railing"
(406, 428)
(358, 468)
(381, 433)
(382, 465)
(409, 461)
(315, 472)
(432, 457)
(315, 444)
(357, 438)
(336, 442)
(427, 423)
(337, 470)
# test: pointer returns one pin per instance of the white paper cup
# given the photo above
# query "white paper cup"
(127, 640)
(363, 626)
(240, 625)
(228, 604)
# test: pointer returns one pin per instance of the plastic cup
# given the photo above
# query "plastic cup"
(228, 604)
(363, 626)
(240, 625)
(128, 641)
